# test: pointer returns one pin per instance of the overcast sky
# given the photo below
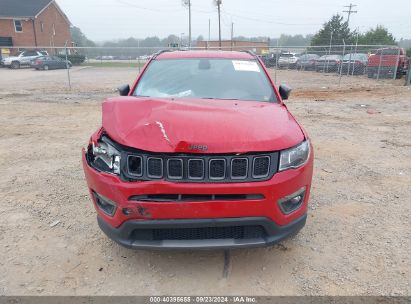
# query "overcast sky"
(104, 20)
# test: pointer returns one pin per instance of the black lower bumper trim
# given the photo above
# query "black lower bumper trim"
(125, 234)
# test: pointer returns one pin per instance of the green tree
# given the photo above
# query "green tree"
(336, 31)
(79, 38)
(404, 43)
(292, 40)
(409, 52)
(171, 39)
(379, 35)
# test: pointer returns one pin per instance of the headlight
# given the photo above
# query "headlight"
(294, 157)
(105, 157)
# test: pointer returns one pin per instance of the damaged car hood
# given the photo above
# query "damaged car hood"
(199, 125)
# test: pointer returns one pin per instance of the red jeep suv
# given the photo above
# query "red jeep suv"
(201, 152)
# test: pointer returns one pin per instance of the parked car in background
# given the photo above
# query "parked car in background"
(328, 63)
(50, 62)
(354, 63)
(143, 57)
(23, 58)
(307, 61)
(269, 60)
(388, 61)
(287, 60)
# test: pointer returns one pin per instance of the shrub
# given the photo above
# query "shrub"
(75, 59)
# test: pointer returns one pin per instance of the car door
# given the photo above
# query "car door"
(49, 62)
(60, 63)
(28, 56)
(53, 62)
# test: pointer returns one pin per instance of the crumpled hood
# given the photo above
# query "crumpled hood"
(188, 125)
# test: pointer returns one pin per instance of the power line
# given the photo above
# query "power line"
(145, 8)
(350, 11)
(268, 21)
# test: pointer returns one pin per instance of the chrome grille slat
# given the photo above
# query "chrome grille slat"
(217, 169)
(261, 166)
(135, 166)
(196, 168)
(175, 169)
(155, 167)
(239, 168)
(199, 168)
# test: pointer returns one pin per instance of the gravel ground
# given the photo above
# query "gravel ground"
(356, 241)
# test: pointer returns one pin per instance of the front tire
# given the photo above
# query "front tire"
(15, 65)
(399, 74)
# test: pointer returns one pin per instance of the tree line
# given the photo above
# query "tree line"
(334, 32)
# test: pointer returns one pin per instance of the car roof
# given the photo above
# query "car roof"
(331, 55)
(205, 54)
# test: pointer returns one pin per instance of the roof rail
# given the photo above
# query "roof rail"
(160, 52)
(249, 52)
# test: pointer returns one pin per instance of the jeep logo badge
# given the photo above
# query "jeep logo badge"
(198, 147)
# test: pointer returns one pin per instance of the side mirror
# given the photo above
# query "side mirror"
(284, 91)
(124, 90)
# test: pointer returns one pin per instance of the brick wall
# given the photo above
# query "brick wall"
(26, 37)
(50, 21)
(50, 18)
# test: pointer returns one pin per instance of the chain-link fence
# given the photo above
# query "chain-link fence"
(376, 62)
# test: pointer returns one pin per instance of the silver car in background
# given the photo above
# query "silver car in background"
(23, 58)
(328, 63)
(287, 60)
(307, 61)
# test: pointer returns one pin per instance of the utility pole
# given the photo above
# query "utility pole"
(350, 11)
(218, 2)
(181, 40)
(209, 29)
(187, 3)
(209, 32)
(408, 80)
(67, 65)
(232, 34)
(189, 24)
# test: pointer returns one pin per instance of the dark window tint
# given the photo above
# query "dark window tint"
(18, 26)
(30, 53)
(388, 52)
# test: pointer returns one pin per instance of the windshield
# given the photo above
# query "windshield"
(206, 78)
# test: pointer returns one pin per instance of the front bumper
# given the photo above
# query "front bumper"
(262, 210)
(287, 64)
(125, 236)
